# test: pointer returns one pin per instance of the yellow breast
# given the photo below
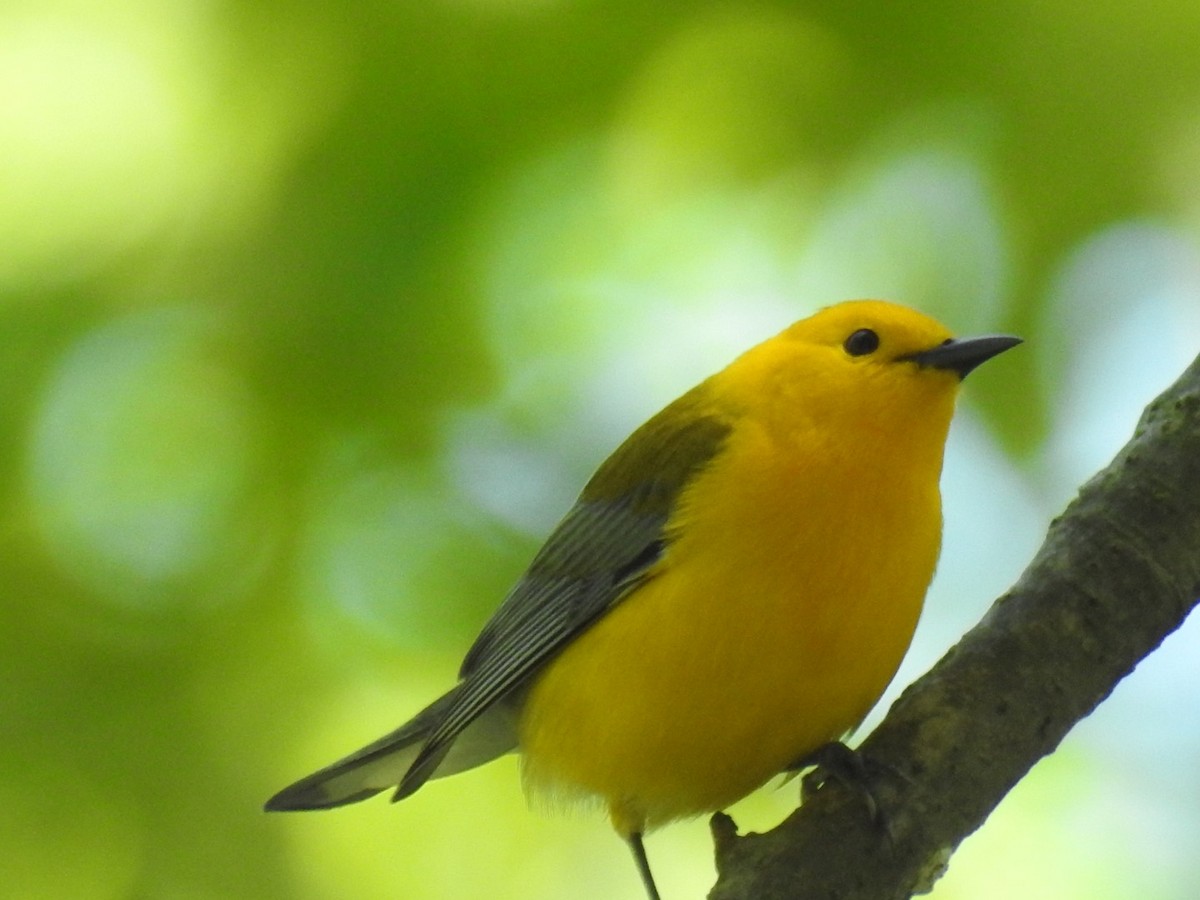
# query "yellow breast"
(789, 593)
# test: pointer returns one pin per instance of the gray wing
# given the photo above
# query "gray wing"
(608, 544)
(598, 554)
(611, 541)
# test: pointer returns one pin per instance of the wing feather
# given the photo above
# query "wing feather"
(611, 541)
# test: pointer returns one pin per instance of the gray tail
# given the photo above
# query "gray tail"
(384, 763)
(365, 772)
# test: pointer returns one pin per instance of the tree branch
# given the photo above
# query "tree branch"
(1118, 572)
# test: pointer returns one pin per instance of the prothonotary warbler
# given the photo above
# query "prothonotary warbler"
(733, 589)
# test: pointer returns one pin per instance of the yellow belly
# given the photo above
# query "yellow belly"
(778, 618)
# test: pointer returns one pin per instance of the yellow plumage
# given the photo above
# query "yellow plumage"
(794, 576)
(733, 589)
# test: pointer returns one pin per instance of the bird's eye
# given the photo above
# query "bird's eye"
(862, 342)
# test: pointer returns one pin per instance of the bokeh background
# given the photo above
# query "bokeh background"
(313, 318)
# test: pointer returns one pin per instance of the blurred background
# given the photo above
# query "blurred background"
(315, 317)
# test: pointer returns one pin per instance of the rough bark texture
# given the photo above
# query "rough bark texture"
(1118, 572)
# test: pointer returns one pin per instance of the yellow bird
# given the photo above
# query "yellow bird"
(733, 589)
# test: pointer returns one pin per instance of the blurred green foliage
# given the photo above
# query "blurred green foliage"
(313, 318)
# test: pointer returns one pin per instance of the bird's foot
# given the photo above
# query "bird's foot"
(836, 763)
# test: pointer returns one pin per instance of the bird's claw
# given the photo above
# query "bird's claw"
(836, 763)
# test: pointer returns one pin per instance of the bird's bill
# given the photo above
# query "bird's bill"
(963, 355)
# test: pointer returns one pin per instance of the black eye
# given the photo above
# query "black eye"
(862, 342)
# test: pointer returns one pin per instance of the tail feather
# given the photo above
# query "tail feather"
(362, 774)
(383, 763)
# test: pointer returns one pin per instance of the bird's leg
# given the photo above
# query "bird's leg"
(837, 762)
(643, 864)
